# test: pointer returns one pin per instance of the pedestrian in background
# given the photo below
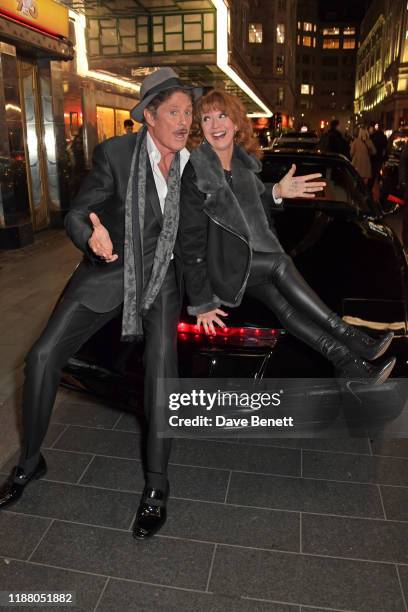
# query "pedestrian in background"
(128, 125)
(361, 148)
(379, 140)
(332, 141)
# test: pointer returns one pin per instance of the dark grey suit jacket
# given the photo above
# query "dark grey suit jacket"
(95, 283)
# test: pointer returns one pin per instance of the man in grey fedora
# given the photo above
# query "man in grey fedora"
(124, 220)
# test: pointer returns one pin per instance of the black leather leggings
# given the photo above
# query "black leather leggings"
(275, 281)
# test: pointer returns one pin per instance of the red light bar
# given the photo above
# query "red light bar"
(258, 333)
(395, 200)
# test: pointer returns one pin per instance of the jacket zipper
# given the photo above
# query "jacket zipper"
(228, 229)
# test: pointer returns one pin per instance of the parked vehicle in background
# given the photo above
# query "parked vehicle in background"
(306, 141)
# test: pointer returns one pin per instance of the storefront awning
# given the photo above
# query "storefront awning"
(33, 42)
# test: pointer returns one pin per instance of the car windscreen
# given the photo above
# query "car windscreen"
(342, 183)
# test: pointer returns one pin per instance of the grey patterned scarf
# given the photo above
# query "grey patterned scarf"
(136, 301)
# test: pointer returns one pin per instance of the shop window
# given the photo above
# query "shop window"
(331, 43)
(110, 122)
(255, 33)
(106, 122)
(157, 33)
(307, 41)
(72, 118)
(280, 33)
(120, 117)
(349, 43)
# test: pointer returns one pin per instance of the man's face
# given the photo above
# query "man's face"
(170, 126)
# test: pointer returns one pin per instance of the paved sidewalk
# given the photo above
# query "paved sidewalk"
(273, 525)
(30, 282)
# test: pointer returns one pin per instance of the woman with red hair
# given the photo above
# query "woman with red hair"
(229, 245)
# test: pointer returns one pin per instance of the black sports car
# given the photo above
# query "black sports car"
(341, 244)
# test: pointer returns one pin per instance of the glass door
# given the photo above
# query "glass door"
(34, 137)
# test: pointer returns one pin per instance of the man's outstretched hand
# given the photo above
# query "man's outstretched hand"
(100, 242)
(291, 186)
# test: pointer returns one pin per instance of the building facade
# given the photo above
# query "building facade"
(31, 127)
(49, 107)
(381, 87)
(325, 67)
(68, 83)
(268, 29)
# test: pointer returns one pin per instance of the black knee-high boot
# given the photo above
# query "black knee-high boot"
(292, 287)
(347, 363)
(357, 341)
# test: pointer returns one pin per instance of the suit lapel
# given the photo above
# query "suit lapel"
(151, 194)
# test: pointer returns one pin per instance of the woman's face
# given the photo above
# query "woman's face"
(218, 129)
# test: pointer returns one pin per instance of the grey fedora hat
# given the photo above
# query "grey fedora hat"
(155, 83)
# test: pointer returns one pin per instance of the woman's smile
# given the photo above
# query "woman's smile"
(219, 131)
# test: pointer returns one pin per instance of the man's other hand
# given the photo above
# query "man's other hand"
(100, 242)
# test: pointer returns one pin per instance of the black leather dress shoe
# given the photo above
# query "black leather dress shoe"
(14, 487)
(151, 514)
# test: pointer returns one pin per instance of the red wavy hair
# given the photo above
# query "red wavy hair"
(218, 99)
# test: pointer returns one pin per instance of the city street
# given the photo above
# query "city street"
(279, 525)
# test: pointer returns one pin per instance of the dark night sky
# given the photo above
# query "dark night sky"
(347, 9)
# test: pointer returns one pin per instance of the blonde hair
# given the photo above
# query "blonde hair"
(363, 134)
(217, 99)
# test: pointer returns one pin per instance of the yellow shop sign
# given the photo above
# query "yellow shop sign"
(46, 15)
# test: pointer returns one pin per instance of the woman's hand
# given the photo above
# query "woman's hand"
(297, 186)
(207, 319)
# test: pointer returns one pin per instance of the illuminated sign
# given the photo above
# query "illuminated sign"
(45, 15)
(28, 8)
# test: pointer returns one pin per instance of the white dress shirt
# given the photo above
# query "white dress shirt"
(155, 157)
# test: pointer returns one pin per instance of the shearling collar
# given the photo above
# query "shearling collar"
(208, 168)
